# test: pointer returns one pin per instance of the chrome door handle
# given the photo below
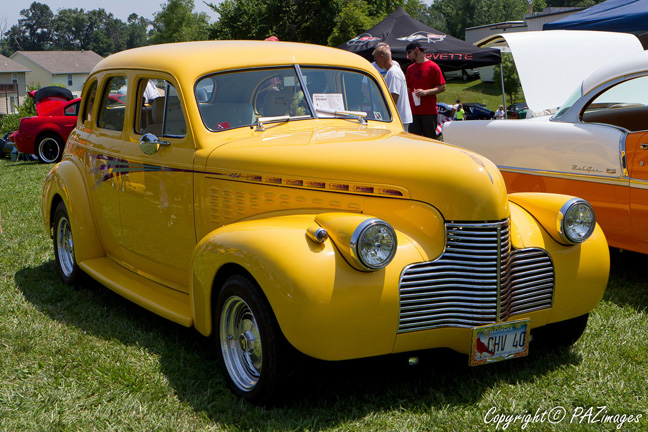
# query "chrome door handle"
(643, 146)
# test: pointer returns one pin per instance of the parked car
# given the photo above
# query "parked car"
(477, 111)
(464, 74)
(6, 146)
(594, 146)
(445, 109)
(513, 110)
(274, 203)
(44, 135)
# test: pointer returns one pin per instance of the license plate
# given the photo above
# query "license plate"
(497, 342)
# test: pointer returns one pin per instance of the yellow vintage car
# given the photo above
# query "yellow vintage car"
(266, 194)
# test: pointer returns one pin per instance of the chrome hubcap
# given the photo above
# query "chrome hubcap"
(65, 246)
(240, 343)
(48, 150)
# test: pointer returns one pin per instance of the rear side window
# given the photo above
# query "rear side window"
(89, 102)
(113, 104)
(624, 105)
(72, 110)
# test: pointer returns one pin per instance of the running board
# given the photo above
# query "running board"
(159, 299)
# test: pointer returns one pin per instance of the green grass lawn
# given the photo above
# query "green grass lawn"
(83, 359)
(488, 94)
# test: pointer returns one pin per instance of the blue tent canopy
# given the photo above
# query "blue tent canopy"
(628, 16)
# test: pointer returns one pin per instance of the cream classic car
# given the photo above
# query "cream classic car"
(594, 145)
(273, 202)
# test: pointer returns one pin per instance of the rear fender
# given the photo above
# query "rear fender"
(65, 183)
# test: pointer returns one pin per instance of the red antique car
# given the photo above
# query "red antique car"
(45, 135)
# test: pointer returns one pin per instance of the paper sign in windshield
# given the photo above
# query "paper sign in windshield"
(328, 102)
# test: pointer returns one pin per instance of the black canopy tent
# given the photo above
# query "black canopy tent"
(399, 29)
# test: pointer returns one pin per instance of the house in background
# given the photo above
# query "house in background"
(67, 68)
(13, 84)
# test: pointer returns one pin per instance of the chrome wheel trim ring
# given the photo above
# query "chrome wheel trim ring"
(240, 343)
(47, 148)
(65, 246)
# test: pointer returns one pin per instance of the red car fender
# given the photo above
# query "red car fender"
(31, 127)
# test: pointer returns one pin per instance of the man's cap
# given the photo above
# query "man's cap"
(412, 45)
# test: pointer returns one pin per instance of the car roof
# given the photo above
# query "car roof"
(632, 64)
(193, 59)
(551, 64)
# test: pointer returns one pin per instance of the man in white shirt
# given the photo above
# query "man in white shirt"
(395, 80)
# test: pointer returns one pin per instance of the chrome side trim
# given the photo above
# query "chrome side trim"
(621, 181)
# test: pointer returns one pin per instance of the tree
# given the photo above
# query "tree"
(512, 86)
(177, 22)
(416, 9)
(70, 28)
(240, 19)
(33, 31)
(136, 29)
(352, 19)
(308, 21)
(4, 48)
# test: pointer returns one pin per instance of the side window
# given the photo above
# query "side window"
(624, 105)
(113, 104)
(72, 110)
(159, 110)
(89, 102)
(174, 122)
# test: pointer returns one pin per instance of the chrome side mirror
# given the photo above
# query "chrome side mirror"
(150, 144)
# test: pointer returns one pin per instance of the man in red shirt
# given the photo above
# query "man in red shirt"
(424, 81)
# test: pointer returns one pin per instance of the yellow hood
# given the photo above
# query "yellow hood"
(460, 184)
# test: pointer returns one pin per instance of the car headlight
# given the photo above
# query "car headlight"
(373, 244)
(576, 221)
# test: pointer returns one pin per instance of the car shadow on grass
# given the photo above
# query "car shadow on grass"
(628, 285)
(323, 395)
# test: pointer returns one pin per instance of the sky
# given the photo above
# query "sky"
(119, 8)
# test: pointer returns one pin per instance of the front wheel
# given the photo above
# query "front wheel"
(68, 269)
(252, 347)
(49, 148)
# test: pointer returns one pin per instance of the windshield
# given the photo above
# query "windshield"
(237, 99)
(568, 104)
(345, 90)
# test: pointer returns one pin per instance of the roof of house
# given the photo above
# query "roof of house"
(63, 62)
(7, 65)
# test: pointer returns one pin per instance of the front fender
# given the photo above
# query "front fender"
(325, 308)
(581, 270)
(65, 182)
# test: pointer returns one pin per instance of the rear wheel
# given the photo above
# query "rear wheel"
(68, 269)
(252, 347)
(49, 148)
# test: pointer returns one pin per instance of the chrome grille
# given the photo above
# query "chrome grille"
(477, 280)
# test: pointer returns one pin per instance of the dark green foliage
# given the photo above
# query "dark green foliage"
(10, 122)
(177, 22)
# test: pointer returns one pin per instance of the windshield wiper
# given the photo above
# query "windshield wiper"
(261, 120)
(360, 114)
